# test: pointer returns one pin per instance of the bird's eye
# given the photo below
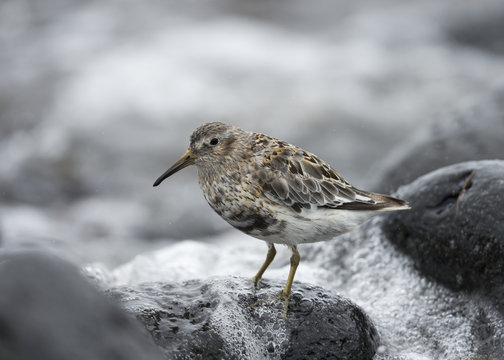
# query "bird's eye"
(214, 141)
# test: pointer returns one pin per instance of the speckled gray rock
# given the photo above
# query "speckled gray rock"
(475, 133)
(455, 229)
(227, 318)
(48, 311)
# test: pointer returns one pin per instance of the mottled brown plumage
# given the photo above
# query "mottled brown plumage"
(276, 191)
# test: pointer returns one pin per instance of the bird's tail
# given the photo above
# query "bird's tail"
(375, 202)
(389, 203)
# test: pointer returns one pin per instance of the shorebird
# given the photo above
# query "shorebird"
(275, 191)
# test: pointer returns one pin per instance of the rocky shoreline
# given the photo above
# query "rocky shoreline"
(452, 234)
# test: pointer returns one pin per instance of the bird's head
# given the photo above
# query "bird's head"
(211, 145)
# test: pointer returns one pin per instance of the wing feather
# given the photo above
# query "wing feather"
(293, 177)
(297, 178)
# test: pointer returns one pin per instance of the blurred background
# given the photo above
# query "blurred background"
(98, 98)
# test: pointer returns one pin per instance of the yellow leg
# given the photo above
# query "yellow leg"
(269, 258)
(285, 294)
(294, 264)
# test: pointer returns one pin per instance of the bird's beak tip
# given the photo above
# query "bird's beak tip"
(186, 160)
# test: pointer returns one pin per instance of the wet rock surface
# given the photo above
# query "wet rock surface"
(227, 318)
(474, 133)
(455, 229)
(48, 311)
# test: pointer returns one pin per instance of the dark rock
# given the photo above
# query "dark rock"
(227, 318)
(49, 311)
(474, 134)
(455, 229)
(42, 181)
(482, 28)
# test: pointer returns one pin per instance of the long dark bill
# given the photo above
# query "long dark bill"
(186, 160)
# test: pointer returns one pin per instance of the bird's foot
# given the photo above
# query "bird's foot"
(256, 280)
(284, 297)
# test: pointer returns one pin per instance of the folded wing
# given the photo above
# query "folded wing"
(296, 178)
